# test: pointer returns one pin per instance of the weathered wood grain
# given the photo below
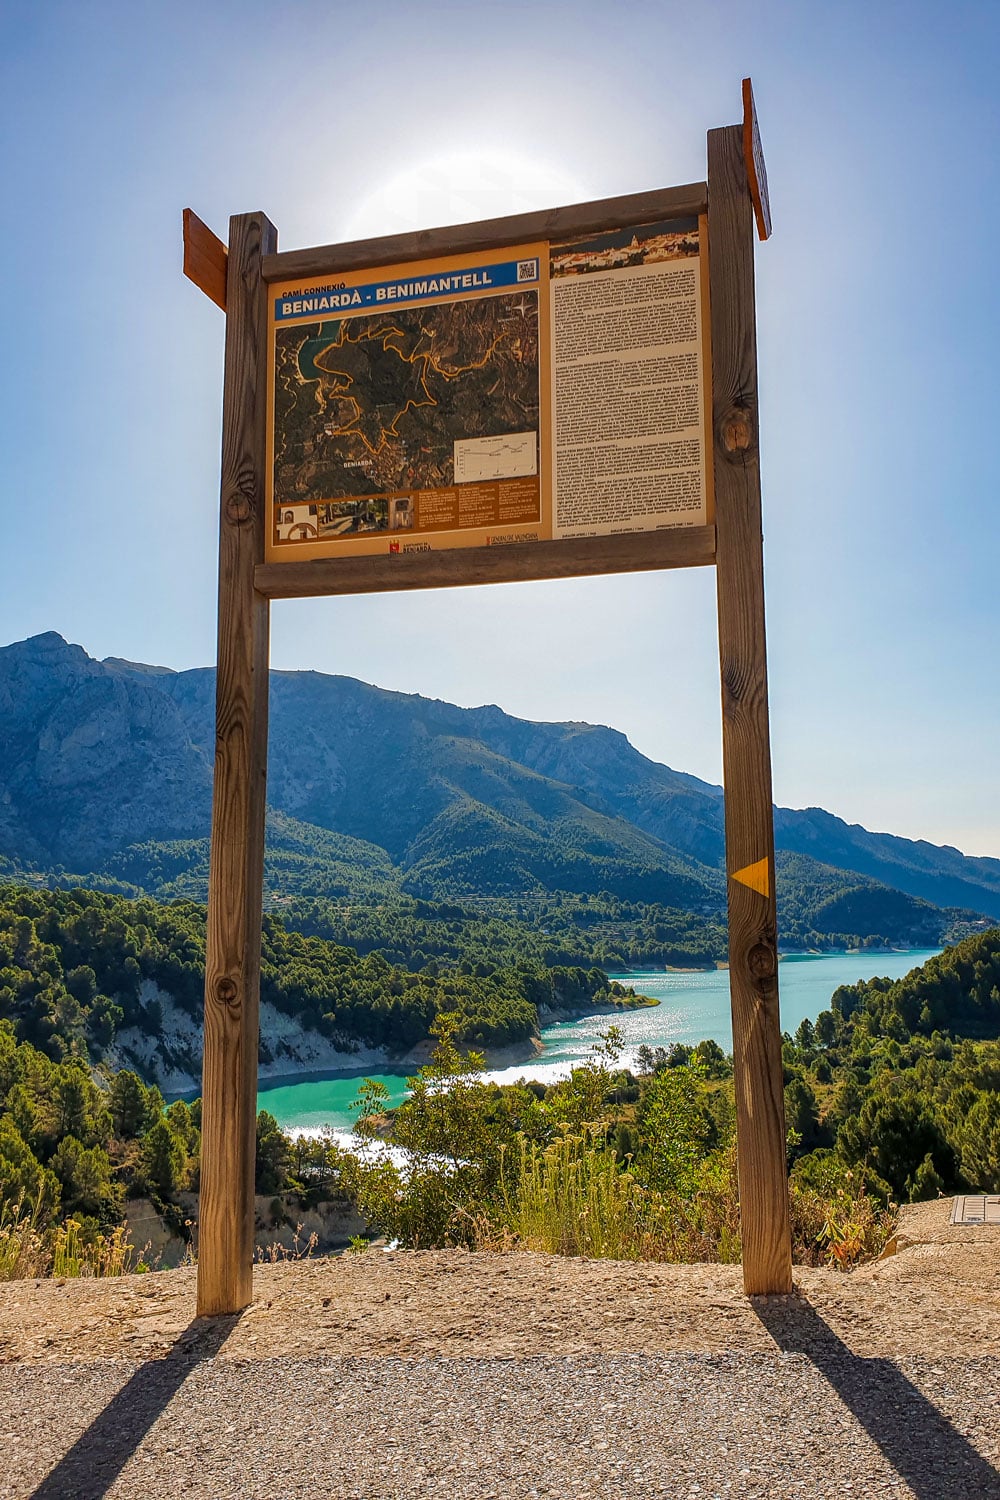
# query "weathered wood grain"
(205, 258)
(753, 949)
(489, 234)
(577, 557)
(232, 959)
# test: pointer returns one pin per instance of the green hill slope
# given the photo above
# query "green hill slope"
(106, 769)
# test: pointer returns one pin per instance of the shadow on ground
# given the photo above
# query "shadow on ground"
(100, 1453)
(915, 1437)
(934, 1458)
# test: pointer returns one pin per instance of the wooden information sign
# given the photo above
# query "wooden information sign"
(551, 395)
(546, 390)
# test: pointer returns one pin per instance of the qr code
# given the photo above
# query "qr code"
(527, 270)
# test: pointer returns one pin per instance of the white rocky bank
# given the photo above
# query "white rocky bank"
(171, 1057)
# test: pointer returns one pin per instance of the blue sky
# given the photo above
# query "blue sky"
(877, 317)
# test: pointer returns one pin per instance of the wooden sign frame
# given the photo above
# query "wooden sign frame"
(240, 278)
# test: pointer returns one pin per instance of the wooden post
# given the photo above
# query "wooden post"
(232, 959)
(746, 754)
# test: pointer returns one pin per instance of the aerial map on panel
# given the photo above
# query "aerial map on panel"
(374, 404)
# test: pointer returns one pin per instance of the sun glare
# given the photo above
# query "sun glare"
(459, 187)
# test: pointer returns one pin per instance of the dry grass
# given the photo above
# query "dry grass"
(28, 1251)
(23, 1251)
(574, 1198)
(839, 1229)
(299, 1249)
(108, 1255)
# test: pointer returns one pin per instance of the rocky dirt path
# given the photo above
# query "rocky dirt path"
(445, 1373)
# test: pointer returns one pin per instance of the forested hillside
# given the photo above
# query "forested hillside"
(550, 929)
(86, 975)
(86, 983)
(893, 1093)
(902, 1078)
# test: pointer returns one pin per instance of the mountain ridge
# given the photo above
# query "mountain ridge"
(97, 758)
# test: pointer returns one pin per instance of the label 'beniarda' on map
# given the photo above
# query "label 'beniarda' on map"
(531, 392)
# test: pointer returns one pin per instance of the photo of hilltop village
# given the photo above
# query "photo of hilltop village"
(639, 245)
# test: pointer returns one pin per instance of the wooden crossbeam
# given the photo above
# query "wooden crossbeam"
(489, 234)
(205, 258)
(517, 562)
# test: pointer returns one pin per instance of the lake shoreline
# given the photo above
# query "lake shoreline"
(692, 1005)
(405, 1064)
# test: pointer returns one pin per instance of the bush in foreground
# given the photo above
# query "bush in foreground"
(601, 1165)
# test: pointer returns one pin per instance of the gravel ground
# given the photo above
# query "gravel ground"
(511, 1376)
(621, 1425)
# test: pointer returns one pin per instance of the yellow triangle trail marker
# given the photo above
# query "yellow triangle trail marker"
(755, 876)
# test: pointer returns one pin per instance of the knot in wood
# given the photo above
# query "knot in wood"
(761, 961)
(225, 991)
(736, 430)
(239, 507)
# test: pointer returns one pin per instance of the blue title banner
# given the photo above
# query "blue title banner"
(336, 298)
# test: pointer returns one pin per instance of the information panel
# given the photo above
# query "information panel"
(533, 392)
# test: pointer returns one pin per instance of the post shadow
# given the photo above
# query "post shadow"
(918, 1440)
(88, 1470)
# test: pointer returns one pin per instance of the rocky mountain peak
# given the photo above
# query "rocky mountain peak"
(98, 757)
